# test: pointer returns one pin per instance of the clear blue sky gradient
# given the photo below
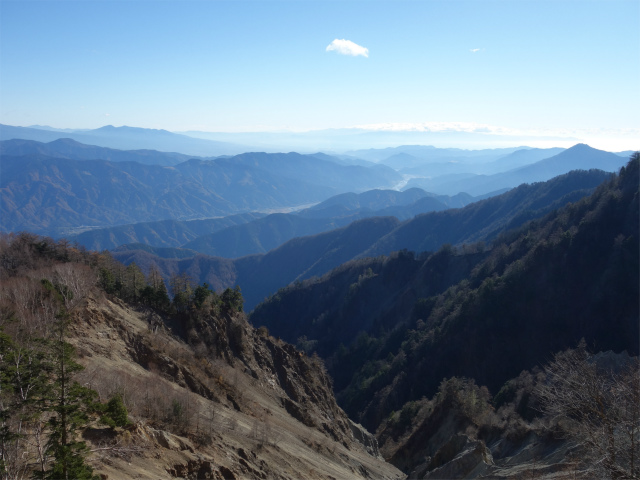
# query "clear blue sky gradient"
(262, 65)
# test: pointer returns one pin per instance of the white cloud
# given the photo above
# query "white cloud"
(474, 50)
(611, 139)
(347, 47)
(433, 127)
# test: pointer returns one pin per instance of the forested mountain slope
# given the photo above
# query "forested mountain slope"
(370, 200)
(315, 170)
(245, 234)
(261, 235)
(261, 275)
(44, 194)
(541, 288)
(483, 220)
(264, 234)
(163, 233)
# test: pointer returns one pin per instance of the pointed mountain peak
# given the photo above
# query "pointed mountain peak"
(583, 148)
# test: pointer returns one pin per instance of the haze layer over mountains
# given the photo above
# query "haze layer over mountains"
(49, 188)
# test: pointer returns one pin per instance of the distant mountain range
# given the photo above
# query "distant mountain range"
(128, 138)
(577, 157)
(352, 139)
(490, 163)
(260, 236)
(70, 149)
(224, 143)
(405, 156)
(56, 196)
(424, 232)
(401, 204)
(65, 187)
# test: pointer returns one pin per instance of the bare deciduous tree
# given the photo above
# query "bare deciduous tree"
(596, 401)
(78, 278)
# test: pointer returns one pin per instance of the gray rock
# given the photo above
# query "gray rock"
(361, 435)
(460, 457)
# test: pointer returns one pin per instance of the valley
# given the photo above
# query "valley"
(383, 313)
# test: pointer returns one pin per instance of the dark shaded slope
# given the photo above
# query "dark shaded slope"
(259, 236)
(261, 275)
(364, 297)
(573, 274)
(540, 289)
(300, 258)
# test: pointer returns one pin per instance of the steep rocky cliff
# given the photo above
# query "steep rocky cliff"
(236, 403)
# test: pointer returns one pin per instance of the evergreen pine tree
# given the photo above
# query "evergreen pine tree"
(70, 404)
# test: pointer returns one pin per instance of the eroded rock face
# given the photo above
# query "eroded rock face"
(255, 406)
(305, 385)
(367, 439)
(460, 457)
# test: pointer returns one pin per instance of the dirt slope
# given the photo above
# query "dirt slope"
(262, 410)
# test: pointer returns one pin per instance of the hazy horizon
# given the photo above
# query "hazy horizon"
(341, 141)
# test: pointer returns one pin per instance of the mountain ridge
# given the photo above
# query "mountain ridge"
(71, 149)
(579, 156)
(261, 275)
(102, 193)
(127, 138)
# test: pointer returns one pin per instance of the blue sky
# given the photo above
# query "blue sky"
(512, 67)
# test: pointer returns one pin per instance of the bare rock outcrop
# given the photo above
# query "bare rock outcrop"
(460, 457)
(217, 399)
